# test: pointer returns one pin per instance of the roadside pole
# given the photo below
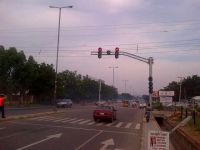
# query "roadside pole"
(99, 91)
(150, 76)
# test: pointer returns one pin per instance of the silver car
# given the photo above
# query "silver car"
(65, 103)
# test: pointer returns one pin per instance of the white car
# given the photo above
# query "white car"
(65, 103)
(143, 105)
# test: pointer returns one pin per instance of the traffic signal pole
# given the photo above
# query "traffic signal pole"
(149, 61)
(150, 76)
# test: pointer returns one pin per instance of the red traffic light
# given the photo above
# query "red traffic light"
(116, 52)
(99, 52)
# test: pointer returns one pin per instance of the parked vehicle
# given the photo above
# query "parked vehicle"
(65, 103)
(104, 113)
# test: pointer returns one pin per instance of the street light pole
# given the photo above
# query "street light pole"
(180, 88)
(113, 68)
(58, 42)
(125, 84)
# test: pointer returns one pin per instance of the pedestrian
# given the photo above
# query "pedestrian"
(2, 101)
(148, 112)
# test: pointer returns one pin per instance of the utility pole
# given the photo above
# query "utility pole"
(58, 42)
(125, 85)
(99, 91)
(181, 78)
(113, 68)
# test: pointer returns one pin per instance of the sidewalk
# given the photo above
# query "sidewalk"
(151, 125)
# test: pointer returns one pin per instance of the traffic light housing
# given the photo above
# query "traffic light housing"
(116, 52)
(150, 85)
(99, 52)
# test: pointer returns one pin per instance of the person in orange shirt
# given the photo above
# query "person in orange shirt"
(2, 101)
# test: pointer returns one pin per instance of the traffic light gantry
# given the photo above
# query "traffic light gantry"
(149, 61)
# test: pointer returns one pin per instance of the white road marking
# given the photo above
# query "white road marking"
(76, 121)
(91, 123)
(106, 144)
(86, 121)
(108, 125)
(58, 120)
(69, 120)
(74, 128)
(128, 125)
(86, 142)
(35, 143)
(65, 120)
(49, 119)
(36, 118)
(99, 124)
(137, 127)
(119, 124)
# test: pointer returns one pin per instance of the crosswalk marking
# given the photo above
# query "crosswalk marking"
(48, 119)
(69, 120)
(99, 124)
(137, 127)
(128, 125)
(45, 119)
(66, 120)
(76, 121)
(91, 123)
(119, 124)
(39, 118)
(58, 120)
(85, 121)
(108, 125)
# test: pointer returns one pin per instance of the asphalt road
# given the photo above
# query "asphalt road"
(74, 130)
(12, 111)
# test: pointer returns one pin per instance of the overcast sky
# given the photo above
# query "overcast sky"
(168, 31)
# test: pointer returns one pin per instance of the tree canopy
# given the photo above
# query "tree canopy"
(22, 76)
(190, 87)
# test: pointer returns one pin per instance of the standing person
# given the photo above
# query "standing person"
(2, 101)
(148, 112)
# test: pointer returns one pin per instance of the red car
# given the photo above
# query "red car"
(104, 113)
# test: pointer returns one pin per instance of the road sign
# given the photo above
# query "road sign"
(166, 100)
(155, 94)
(166, 93)
(158, 140)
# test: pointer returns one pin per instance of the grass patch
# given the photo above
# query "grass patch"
(197, 123)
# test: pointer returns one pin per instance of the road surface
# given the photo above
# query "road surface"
(74, 130)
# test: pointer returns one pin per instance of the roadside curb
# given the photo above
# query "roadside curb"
(30, 115)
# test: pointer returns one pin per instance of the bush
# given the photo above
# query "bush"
(157, 106)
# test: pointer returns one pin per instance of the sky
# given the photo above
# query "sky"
(168, 31)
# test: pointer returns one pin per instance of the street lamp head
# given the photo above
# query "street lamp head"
(61, 7)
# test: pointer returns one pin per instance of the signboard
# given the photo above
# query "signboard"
(155, 94)
(166, 93)
(166, 100)
(158, 140)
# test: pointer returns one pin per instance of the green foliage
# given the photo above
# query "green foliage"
(26, 77)
(157, 105)
(190, 87)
